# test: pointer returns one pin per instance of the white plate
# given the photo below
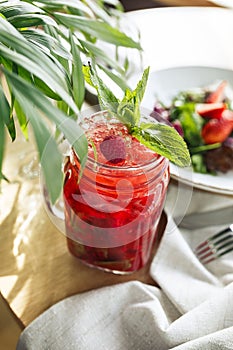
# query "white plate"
(182, 36)
(195, 39)
(164, 85)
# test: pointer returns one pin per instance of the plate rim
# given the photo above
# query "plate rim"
(196, 182)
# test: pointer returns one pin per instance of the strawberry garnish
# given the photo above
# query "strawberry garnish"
(211, 110)
(216, 130)
(218, 94)
(113, 149)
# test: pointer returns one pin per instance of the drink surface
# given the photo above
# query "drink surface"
(112, 213)
(136, 153)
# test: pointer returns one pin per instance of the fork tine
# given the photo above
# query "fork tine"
(214, 257)
(215, 246)
(214, 249)
(216, 252)
(215, 236)
(208, 245)
(226, 251)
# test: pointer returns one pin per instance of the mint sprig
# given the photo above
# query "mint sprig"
(164, 140)
(158, 137)
(129, 107)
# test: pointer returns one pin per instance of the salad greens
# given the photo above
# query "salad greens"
(200, 117)
(183, 110)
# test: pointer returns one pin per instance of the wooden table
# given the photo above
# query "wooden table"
(36, 268)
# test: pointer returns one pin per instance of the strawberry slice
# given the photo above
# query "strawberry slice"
(210, 110)
(113, 149)
(228, 116)
(216, 130)
(218, 94)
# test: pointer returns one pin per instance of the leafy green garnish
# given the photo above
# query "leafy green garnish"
(163, 140)
(204, 148)
(189, 96)
(199, 164)
(158, 137)
(190, 121)
(129, 108)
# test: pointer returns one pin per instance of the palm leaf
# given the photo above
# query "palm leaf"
(6, 26)
(6, 114)
(4, 120)
(99, 11)
(31, 20)
(10, 9)
(97, 28)
(45, 61)
(114, 3)
(5, 108)
(29, 51)
(101, 55)
(45, 89)
(118, 80)
(37, 64)
(63, 4)
(77, 76)
(23, 121)
(2, 143)
(74, 134)
(46, 42)
(50, 157)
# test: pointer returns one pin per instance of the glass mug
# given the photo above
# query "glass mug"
(112, 211)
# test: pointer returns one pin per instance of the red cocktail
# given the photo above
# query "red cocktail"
(112, 212)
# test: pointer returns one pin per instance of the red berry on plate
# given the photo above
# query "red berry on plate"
(113, 149)
(218, 94)
(216, 130)
(228, 116)
(210, 110)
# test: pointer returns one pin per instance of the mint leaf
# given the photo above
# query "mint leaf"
(127, 110)
(132, 100)
(141, 86)
(163, 140)
(138, 92)
(125, 113)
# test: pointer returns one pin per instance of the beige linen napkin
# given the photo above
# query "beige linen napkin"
(192, 310)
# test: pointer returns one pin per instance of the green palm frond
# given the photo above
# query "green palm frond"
(42, 48)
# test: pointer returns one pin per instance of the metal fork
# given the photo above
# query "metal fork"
(215, 246)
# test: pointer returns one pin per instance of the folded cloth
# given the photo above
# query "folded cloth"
(193, 309)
